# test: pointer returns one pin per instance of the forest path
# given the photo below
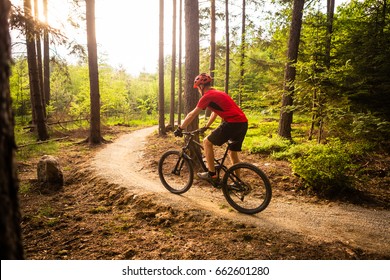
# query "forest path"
(122, 163)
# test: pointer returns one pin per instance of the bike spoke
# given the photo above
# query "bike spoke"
(247, 189)
(175, 172)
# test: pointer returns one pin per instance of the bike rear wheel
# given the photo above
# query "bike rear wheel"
(176, 172)
(246, 188)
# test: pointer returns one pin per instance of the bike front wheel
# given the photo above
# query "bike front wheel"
(176, 172)
(246, 188)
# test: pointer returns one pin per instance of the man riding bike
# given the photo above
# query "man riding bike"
(233, 127)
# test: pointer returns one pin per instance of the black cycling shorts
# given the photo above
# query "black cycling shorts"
(229, 131)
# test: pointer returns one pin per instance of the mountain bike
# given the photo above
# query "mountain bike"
(245, 186)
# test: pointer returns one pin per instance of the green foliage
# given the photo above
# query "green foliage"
(146, 106)
(325, 169)
(351, 127)
(114, 86)
(363, 42)
(80, 102)
(121, 95)
(20, 89)
(293, 151)
(60, 91)
(371, 128)
(142, 94)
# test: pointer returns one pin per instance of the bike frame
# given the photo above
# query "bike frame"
(192, 145)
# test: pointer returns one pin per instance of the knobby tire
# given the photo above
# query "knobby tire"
(175, 172)
(248, 193)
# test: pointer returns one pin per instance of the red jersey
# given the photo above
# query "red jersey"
(223, 105)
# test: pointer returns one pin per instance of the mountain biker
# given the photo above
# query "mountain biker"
(233, 127)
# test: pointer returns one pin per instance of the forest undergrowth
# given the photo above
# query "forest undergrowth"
(95, 219)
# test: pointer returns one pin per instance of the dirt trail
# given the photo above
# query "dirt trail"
(122, 163)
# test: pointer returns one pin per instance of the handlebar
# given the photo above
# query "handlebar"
(197, 131)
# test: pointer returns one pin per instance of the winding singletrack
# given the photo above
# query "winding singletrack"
(122, 163)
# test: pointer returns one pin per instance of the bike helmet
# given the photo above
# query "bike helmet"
(202, 79)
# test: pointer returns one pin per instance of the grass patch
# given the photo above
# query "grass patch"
(51, 222)
(46, 211)
(24, 187)
(262, 135)
(36, 151)
(99, 210)
(267, 145)
(142, 120)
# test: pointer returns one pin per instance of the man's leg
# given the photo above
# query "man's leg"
(209, 153)
(234, 157)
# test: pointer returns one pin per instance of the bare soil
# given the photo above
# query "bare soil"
(113, 206)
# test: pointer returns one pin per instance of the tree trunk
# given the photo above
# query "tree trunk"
(161, 118)
(173, 70)
(227, 55)
(10, 231)
(317, 104)
(212, 40)
(242, 70)
(286, 113)
(35, 88)
(314, 114)
(180, 91)
(329, 31)
(39, 57)
(46, 58)
(191, 11)
(94, 131)
(212, 47)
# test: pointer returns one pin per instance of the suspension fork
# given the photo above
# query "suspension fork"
(179, 164)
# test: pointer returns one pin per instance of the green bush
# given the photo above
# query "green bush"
(325, 168)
